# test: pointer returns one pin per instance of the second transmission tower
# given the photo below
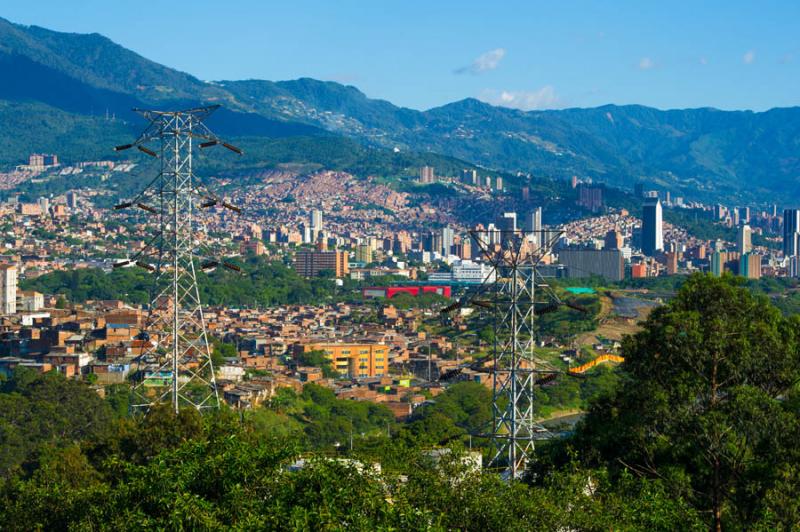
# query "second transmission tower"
(516, 293)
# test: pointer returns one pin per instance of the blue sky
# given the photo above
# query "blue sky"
(420, 54)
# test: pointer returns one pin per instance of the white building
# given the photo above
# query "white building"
(465, 271)
(8, 289)
(744, 239)
(448, 235)
(29, 301)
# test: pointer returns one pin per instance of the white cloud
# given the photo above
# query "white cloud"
(544, 98)
(485, 62)
(645, 63)
(749, 57)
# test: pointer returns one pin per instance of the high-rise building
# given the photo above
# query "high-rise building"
(608, 264)
(750, 266)
(652, 230)
(613, 240)
(717, 263)
(315, 225)
(363, 253)
(793, 266)
(316, 219)
(672, 262)
(8, 289)
(312, 263)
(426, 175)
(744, 239)
(72, 199)
(533, 221)
(499, 184)
(591, 196)
(791, 232)
(507, 225)
(465, 249)
(40, 161)
(744, 215)
(44, 203)
(508, 222)
(447, 240)
(305, 230)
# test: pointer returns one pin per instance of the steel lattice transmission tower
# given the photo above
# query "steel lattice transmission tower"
(515, 295)
(175, 359)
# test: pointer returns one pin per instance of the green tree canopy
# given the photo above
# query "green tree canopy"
(704, 403)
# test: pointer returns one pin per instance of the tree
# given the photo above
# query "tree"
(37, 411)
(464, 408)
(701, 405)
(316, 358)
(221, 351)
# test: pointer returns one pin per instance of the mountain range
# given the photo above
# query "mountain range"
(60, 89)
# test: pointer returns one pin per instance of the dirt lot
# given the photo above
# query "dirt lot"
(611, 325)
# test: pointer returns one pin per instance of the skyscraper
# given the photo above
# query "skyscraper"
(591, 196)
(744, 214)
(533, 221)
(717, 263)
(652, 231)
(791, 232)
(44, 203)
(508, 222)
(8, 289)
(613, 240)
(316, 219)
(316, 224)
(447, 240)
(744, 239)
(426, 175)
(750, 266)
(363, 253)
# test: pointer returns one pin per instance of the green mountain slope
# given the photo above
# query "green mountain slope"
(704, 153)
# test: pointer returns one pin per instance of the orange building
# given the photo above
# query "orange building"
(354, 360)
(638, 271)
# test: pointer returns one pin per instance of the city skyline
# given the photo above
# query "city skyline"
(361, 316)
